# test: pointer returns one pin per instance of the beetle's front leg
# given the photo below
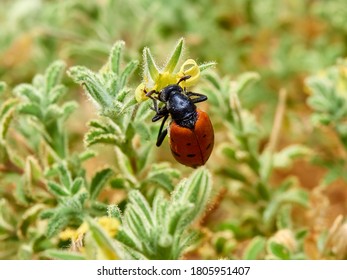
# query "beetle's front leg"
(162, 112)
(154, 99)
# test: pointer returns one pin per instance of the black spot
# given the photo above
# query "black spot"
(176, 154)
(208, 146)
(188, 144)
(204, 136)
(191, 155)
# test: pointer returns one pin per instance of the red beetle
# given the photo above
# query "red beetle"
(191, 132)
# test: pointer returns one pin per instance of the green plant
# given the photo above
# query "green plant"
(248, 168)
(161, 231)
(67, 189)
(52, 184)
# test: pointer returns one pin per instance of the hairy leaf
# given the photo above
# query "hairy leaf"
(175, 56)
(254, 249)
(54, 74)
(98, 182)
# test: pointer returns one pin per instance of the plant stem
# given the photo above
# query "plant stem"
(278, 121)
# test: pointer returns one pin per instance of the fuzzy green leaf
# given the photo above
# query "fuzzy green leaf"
(126, 239)
(143, 130)
(29, 92)
(178, 217)
(284, 219)
(245, 80)
(254, 249)
(234, 174)
(77, 185)
(175, 56)
(56, 223)
(285, 158)
(7, 219)
(2, 87)
(98, 124)
(20, 194)
(196, 190)
(35, 169)
(113, 211)
(135, 223)
(144, 156)
(127, 252)
(141, 205)
(75, 204)
(124, 165)
(270, 211)
(56, 93)
(86, 154)
(207, 65)
(214, 80)
(54, 74)
(160, 210)
(62, 255)
(99, 137)
(56, 189)
(98, 208)
(128, 70)
(115, 56)
(7, 106)
(298, 196)
(46, 214)
(150, 65)
(279, 251)
(53, 113)
(7, 111)
(64, 175)
(98, 182)
(163, 176)
(94, 86)
(31, 109)
(68, 108)
(119, 183)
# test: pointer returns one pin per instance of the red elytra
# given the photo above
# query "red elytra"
(192, 147)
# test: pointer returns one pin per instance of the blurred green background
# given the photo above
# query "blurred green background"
(284, 41)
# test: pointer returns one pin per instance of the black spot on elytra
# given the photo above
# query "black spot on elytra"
(191, 155)
(208, 146)
(188, 144)
(204, 136)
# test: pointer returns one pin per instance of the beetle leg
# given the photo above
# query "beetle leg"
(155, 106)
(162, 112)
(199, 97)
(162, 133)
(155, 101)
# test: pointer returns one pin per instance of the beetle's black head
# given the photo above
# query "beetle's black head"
(168, 91)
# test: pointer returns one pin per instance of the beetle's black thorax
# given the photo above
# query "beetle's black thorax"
(181, 108)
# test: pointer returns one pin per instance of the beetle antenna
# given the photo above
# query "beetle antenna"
(184, 78)
(149, 94)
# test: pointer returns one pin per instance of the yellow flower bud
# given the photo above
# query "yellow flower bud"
(189, 68)
(140, 93)
(164, 79)
(73, 234)
(110, 225)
